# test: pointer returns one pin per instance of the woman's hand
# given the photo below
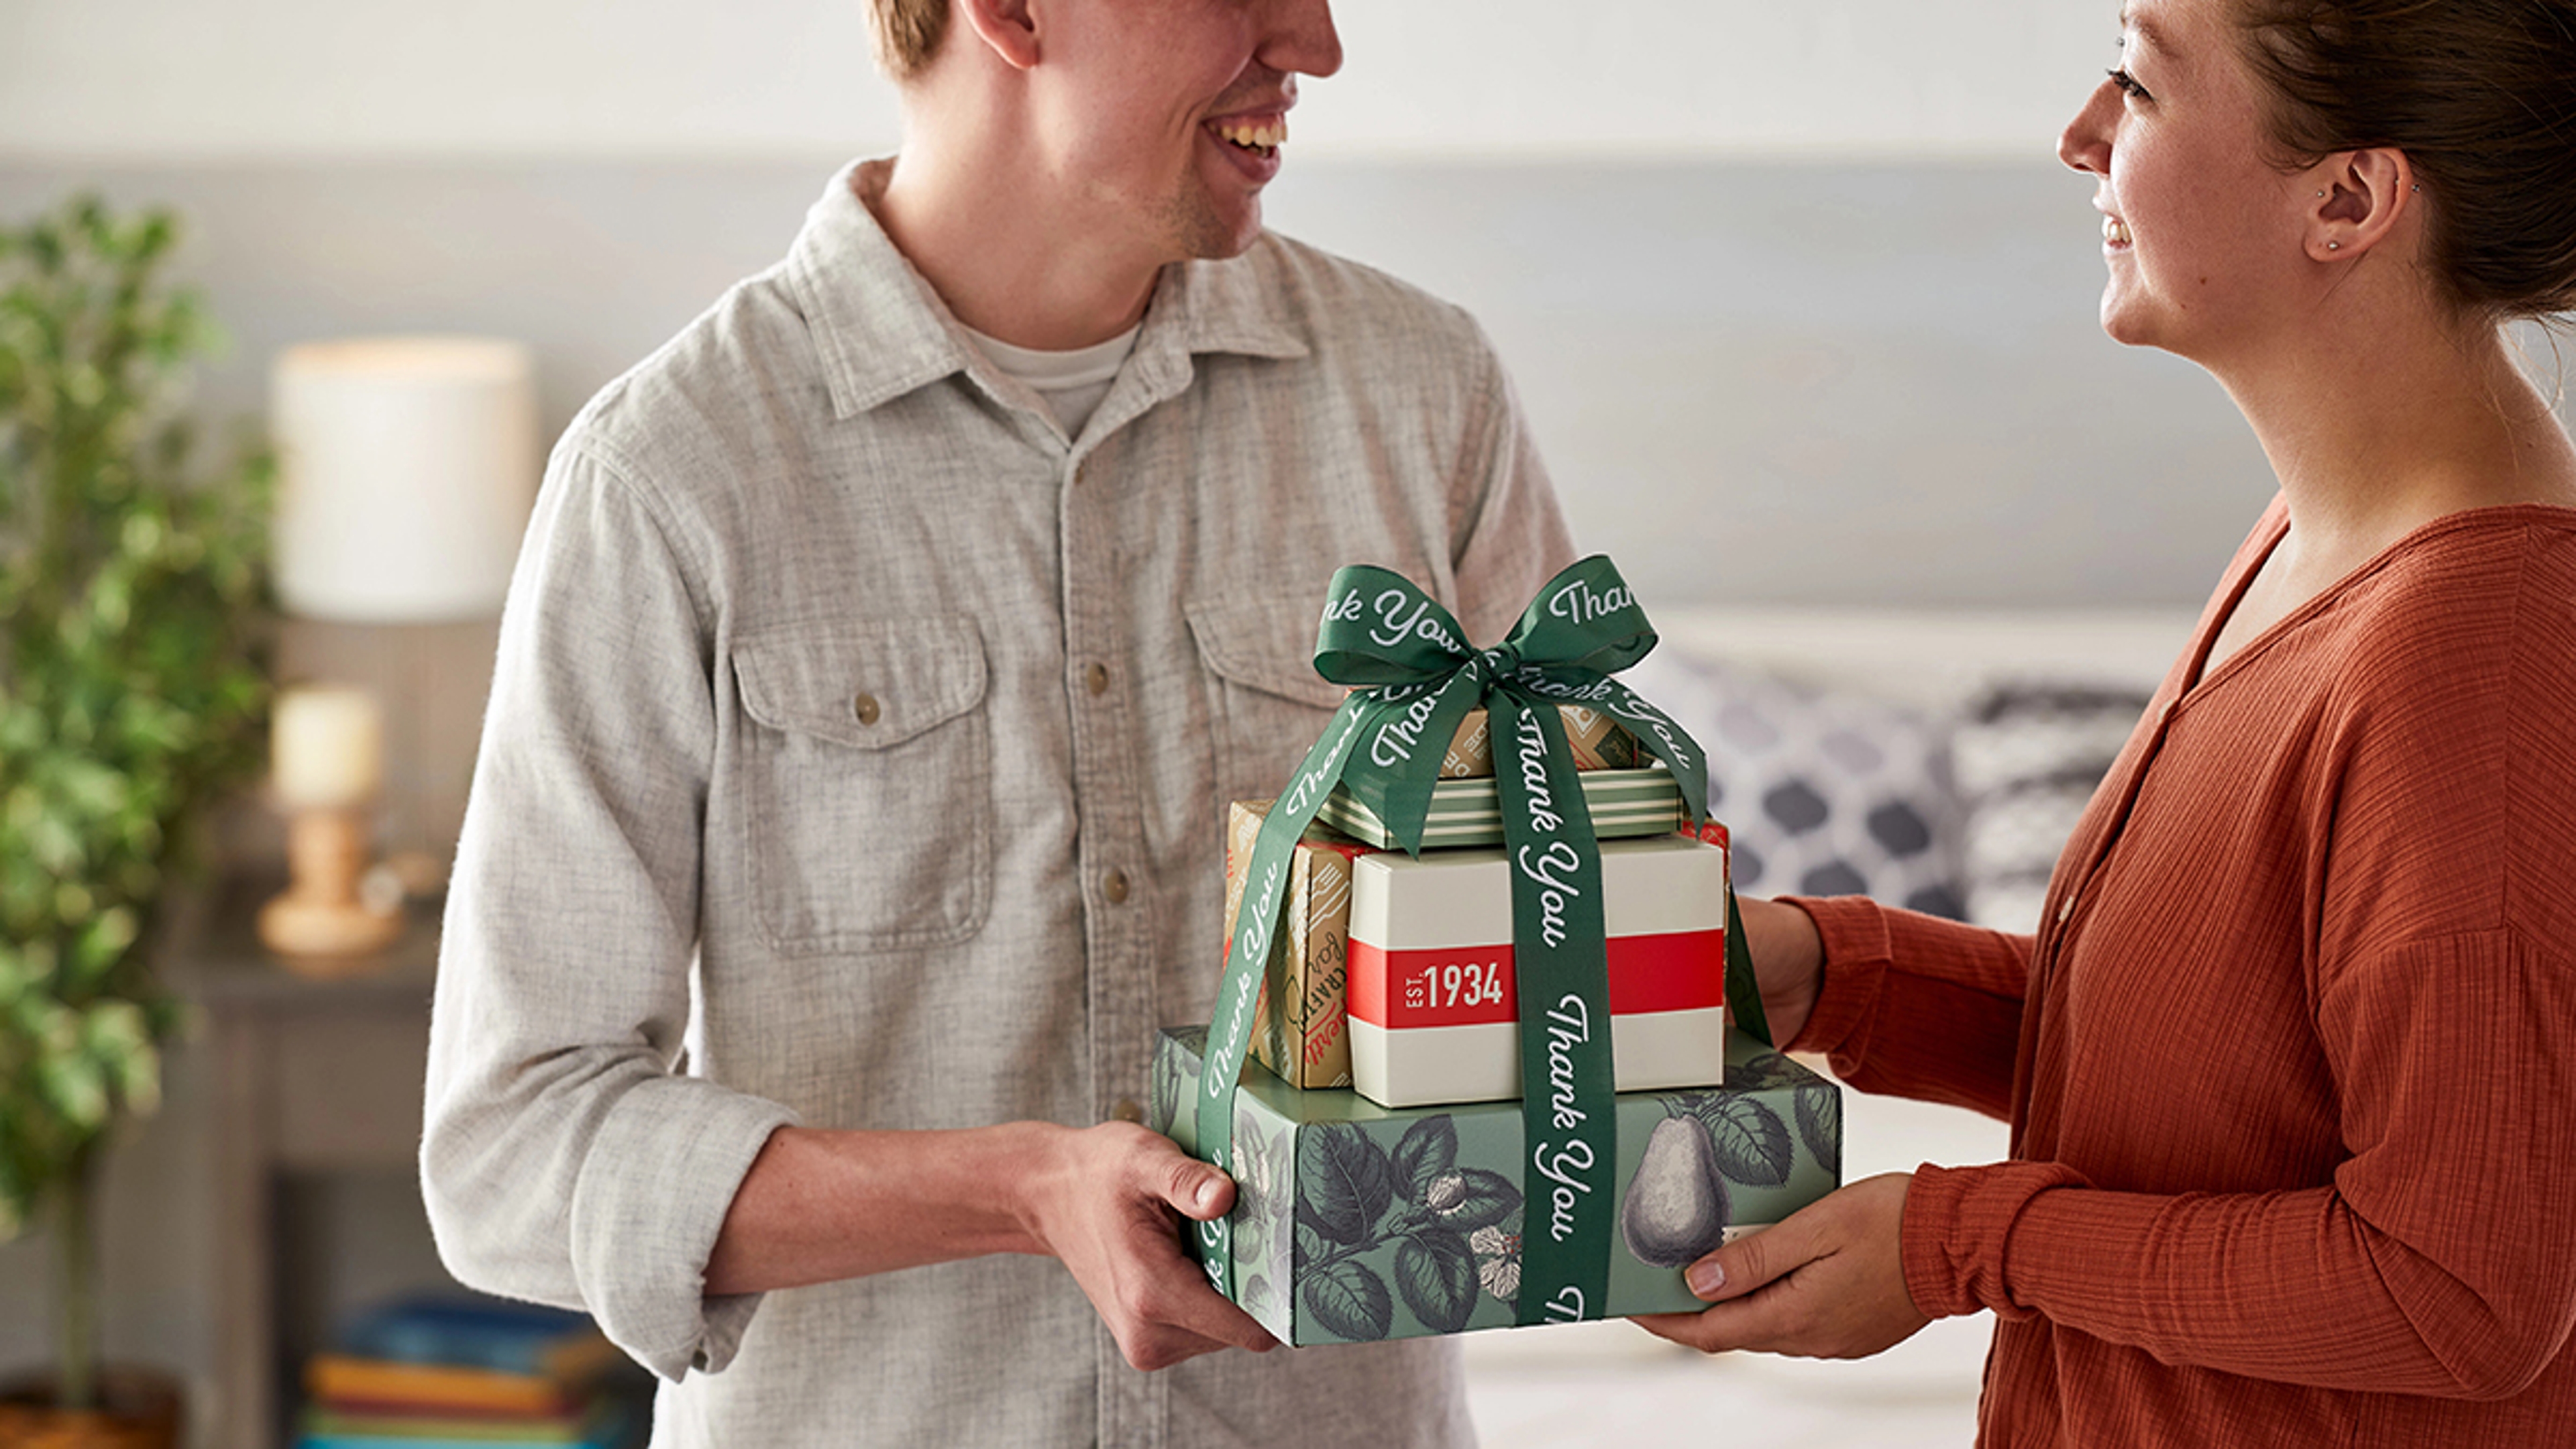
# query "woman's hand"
(1789, 960)
(1827, 1282)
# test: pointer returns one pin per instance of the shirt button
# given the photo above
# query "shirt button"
(1114, 886)
(865, 707)
(1127, 1110)
(1096, 678)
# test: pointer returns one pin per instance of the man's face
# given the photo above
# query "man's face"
(1170, 113)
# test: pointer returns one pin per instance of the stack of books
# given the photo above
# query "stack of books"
(454, 1373)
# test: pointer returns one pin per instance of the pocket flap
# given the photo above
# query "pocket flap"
(1266, 644)
(867, 684)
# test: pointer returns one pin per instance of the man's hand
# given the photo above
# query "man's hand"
(1827, 1282)
(1109, 1201)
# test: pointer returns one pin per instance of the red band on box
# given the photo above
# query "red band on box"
(1473, 985)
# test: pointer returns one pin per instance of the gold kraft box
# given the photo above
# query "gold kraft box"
(1300, 1026)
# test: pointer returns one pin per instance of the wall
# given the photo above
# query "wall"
(764, 78)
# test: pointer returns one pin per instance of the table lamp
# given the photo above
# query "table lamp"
(326, 765)
(407, 469)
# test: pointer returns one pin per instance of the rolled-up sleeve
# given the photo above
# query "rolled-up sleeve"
(567, 1156)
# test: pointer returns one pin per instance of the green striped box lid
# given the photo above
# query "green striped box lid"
(1469, 812)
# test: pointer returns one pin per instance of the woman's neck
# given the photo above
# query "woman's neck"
(2377, 429)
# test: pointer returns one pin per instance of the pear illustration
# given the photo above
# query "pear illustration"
(1677, 1203)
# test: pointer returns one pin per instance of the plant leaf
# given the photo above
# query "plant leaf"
(1311, 1246)
(1820, 1122)
(1344, 1182)
(1435, 1270)
(1428, 1148)
(1764, 1071)
(1350, 1301)
(1753, 1146)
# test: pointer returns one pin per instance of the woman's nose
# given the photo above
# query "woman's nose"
(2086, 142)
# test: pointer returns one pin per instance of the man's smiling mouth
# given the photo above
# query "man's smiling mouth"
(1262, 135)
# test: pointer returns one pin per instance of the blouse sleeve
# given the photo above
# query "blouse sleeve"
(1916, 1006)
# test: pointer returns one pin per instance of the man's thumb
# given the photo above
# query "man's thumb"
(1200, 1191)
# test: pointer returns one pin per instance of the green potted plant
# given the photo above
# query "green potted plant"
(134, 620)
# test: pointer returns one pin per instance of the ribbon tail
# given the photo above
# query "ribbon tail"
(1229, 1036)
(1743, 987)
(1569, 1110)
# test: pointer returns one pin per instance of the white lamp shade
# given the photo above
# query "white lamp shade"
(407, 469)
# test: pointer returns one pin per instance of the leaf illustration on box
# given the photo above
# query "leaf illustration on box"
(1470, 1198)
(1752, 1143)
(1311, 1247)
(1257, 1205)
(1764, 1072)
(1256, 1296)
(1167, 1090)
(1350, 1301)
(1820, 1122)
(1344, 1182)
(1428, 1149)
(1435, 1270)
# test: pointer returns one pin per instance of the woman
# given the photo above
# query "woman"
(2291, 1064)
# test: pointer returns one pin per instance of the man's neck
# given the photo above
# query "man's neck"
(1009, 256)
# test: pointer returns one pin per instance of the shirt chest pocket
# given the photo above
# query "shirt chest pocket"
(866, 762)
(1269, 703)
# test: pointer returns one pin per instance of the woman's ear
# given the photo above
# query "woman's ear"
(2359, 197)
(1006, 27)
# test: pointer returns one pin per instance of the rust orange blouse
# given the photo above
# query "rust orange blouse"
(2291, 1065)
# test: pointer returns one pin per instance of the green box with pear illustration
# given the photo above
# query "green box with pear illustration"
(1355, 1222)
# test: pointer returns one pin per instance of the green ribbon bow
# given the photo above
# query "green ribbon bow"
(1415, 678)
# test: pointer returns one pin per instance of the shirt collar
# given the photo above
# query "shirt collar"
(881, 331)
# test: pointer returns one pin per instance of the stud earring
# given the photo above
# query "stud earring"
(2333, 246)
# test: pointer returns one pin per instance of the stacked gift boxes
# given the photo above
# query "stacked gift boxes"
(1396, 1207)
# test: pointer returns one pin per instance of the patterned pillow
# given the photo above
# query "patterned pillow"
(1823, 793)
(2027, 756)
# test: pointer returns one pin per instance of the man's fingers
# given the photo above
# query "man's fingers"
(1193, 1188)
(1177, 1302)
(1198, 1190)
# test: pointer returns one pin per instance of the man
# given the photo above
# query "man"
(881, 659)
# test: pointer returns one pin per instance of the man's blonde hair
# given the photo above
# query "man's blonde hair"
(907, 33)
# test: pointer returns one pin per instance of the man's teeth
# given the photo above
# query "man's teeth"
(2115, 231)
(1257, 135)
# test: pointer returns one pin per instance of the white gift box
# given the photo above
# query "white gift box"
(1434, 1011)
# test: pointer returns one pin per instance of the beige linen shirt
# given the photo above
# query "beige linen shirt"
(857, 756)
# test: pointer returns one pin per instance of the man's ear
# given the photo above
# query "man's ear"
(2359, 197)
(1006, 27)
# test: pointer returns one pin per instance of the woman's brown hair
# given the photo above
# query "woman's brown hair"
(2479, 94)
(907, 33)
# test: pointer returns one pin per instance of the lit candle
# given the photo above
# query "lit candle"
(327, 747)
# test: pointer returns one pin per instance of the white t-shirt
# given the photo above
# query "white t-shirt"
(1071, 383)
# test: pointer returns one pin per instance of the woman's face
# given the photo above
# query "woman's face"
(2203, 238)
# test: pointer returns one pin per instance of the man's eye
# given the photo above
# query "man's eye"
(2128, 84)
